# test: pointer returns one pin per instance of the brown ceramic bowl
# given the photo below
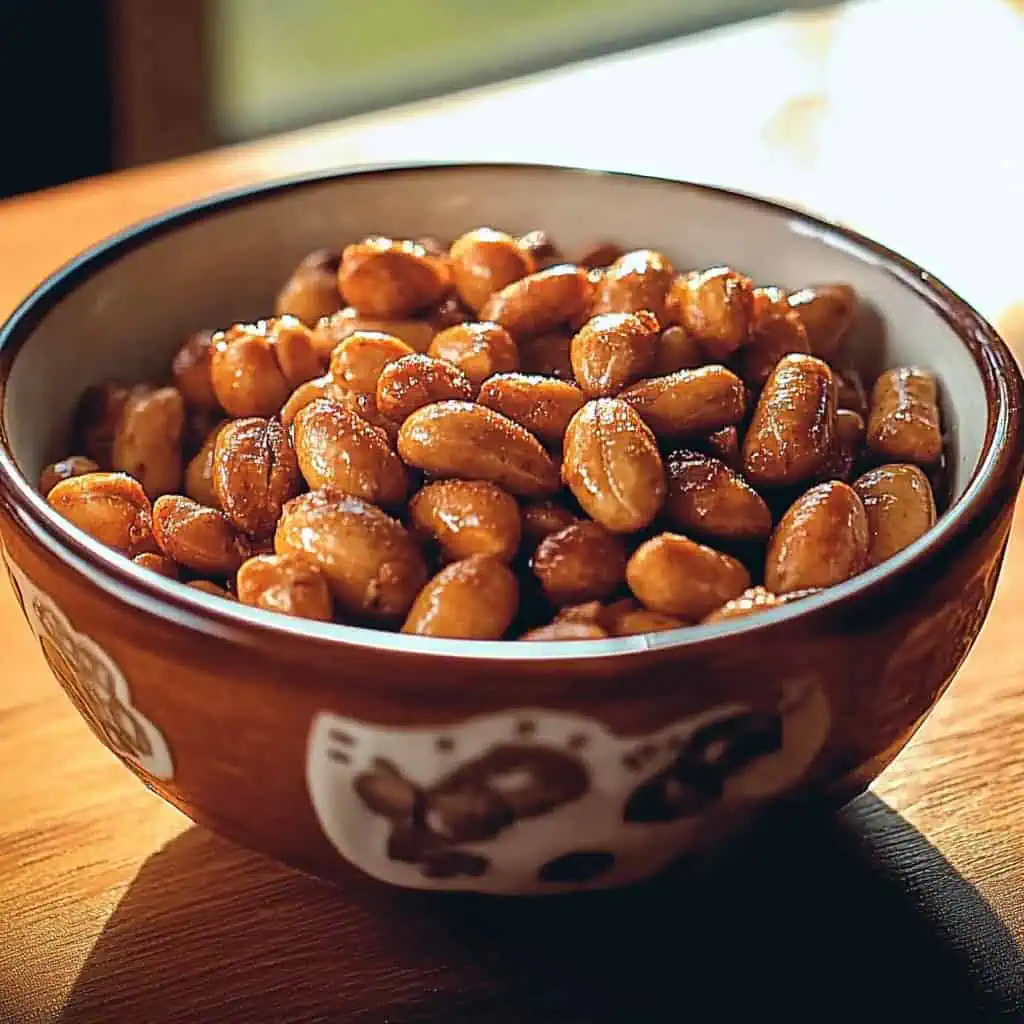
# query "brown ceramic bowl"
(515, 768)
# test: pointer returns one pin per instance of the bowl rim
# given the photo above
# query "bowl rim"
(1000, 465)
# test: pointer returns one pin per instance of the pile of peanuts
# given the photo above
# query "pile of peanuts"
(486, 441)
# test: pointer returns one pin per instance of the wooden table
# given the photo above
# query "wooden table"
(114, 908)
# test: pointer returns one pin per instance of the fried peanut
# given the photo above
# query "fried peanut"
(612, 465)
(466, 518)
(756, 599)
(540, 302)
(793, 428)
(288, 584)
(826, 311)
(777, 331)
(199, 538)
(160, 564)
(706, 497)
(417, 380)
(674, 575)
(339, 450)
(542, 405)
(676, 350)
(318, 387)
(472, 442)
(547, 355)
(110, 507)
(689, 402)
(900, 507)
(255, 471)
(148, 440)
(475, 599)
(483, 262)
(248, 374)
(65, 469)
(636, 281)
(199, 472)
(386, 278)
(846, 446)
(311, 293)
(613, 350)
(541, 519)
(331, 331)
(373, 567)
(715, 306)
(190, 369)
(820, 541)
(479, 350)
(565, 630)
(359, 360)
(582, 562)
(904, 421)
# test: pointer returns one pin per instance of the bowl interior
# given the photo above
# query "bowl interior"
(127, 315)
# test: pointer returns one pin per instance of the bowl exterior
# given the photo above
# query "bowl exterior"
(508, 777)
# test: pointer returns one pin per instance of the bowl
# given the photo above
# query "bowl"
(495, 767)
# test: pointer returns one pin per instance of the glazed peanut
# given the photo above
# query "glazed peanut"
(199, 538)
(191, 371)
(339, 450)
(475, 599)
(582, 562)
(288, 584)
(66, 469)
(255, 471)
(566, 630)
(676, 350)
(673, 575)
(391, 279)
(148, 440)
(756, 599)
(820, 541)
(707, 498)
(312, 291)
(483, 262)
(246, 377)
(846, 446)
(199, 472)
(777, 331)
(689, 402)
(636, 281)
(358, 362)
(417, 380)
(613, 350)
(612, 465)
(540, 302)
(547, 355)
(318, 387)
(899, 505)
(904, 421)
(826, 311)
(541, 519)
(542, 405)
(110, 507)
(373, 568)
(331, 331)
(467, 517)
(479, 350)
(471, 442)
(792, 432)
(715, 306)
(160, 564)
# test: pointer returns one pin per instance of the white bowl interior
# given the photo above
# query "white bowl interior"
(126, 320)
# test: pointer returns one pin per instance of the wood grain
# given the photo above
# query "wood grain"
(113, 908)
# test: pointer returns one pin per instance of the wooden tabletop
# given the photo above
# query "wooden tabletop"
(113, 907)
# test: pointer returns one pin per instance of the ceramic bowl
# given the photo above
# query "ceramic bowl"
(507, 768)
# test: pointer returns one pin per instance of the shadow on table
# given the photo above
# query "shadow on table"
(855, 918)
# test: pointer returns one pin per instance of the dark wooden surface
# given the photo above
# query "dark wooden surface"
(113, 908)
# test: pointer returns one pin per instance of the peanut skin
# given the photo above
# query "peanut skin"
(820, 541)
